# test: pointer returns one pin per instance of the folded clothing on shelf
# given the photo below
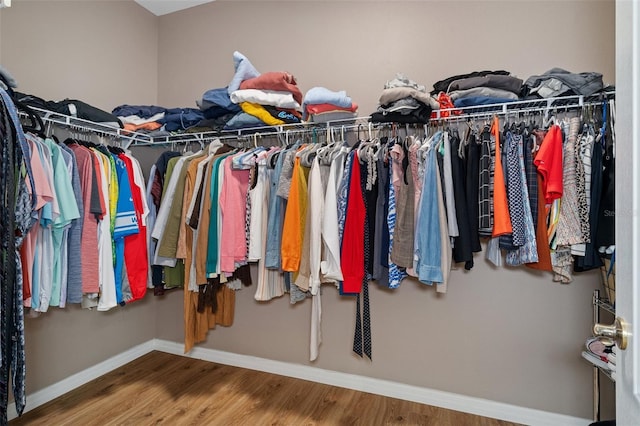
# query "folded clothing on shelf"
(276, 98)
(142, 111)
(71, 107)
(404, 101)
(479, 100)
(181, 118)
(560, 82)
(495, 81)
(331, 101)
(243, 120)
(281, 81)
(216, 103)
(335, 115)
(244, 70)
(443, 85)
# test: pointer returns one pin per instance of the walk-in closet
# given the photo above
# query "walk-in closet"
(310, 212)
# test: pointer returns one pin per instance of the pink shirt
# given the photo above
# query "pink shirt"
(233, 207)
(44, 194)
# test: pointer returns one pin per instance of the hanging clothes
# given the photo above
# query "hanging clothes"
(17, 211)
(501, 219)
(383, 209)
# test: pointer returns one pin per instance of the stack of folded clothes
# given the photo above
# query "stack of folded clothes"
(404, 101)
(480, 88)
(558, 82)
(217, 108)
(140, 118)
(321, 105)
(271, 99)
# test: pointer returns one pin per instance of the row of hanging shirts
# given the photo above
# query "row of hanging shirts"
(88, 243)
(383, 209)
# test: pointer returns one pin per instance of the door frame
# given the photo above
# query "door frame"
(627, 189)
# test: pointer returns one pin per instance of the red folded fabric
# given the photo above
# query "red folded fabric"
(320, 108)
(274, 81)
(445, 103)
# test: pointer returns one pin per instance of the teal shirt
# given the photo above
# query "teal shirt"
(213, 255)
(69, 211)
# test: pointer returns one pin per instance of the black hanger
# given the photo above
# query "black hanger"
(115, 149)
(36, 126)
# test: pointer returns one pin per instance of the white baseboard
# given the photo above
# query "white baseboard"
(49, 393)
(451, 401)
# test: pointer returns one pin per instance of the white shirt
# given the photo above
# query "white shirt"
(330, 265)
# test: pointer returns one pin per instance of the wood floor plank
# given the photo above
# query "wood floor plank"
(165, 389)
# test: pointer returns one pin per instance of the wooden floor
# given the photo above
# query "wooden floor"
(160, 388)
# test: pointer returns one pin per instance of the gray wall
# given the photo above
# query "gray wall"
(507, 335)
(104, 53)
(358, 45)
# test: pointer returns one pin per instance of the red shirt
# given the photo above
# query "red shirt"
(352, 253)
(135, 245)
(549, 164)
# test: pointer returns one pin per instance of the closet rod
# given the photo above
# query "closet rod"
(571, 101)
(514, 111)
(75, 123)
(515, 107)
(461, 113)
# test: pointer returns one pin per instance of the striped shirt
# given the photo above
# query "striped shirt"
(485, 192)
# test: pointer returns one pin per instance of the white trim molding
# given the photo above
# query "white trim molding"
(450, 401)
(58, 389)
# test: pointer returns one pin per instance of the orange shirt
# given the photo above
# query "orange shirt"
(501, 218)
(294, 219)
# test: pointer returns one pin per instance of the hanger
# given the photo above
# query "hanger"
(36, 126)
(184, 150)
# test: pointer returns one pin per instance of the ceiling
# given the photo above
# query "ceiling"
(163, 7)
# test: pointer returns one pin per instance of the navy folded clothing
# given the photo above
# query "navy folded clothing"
(217, 97)
(479, 100)
(142, 111)
(216, 111)
(181, 118)
(217, 123)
